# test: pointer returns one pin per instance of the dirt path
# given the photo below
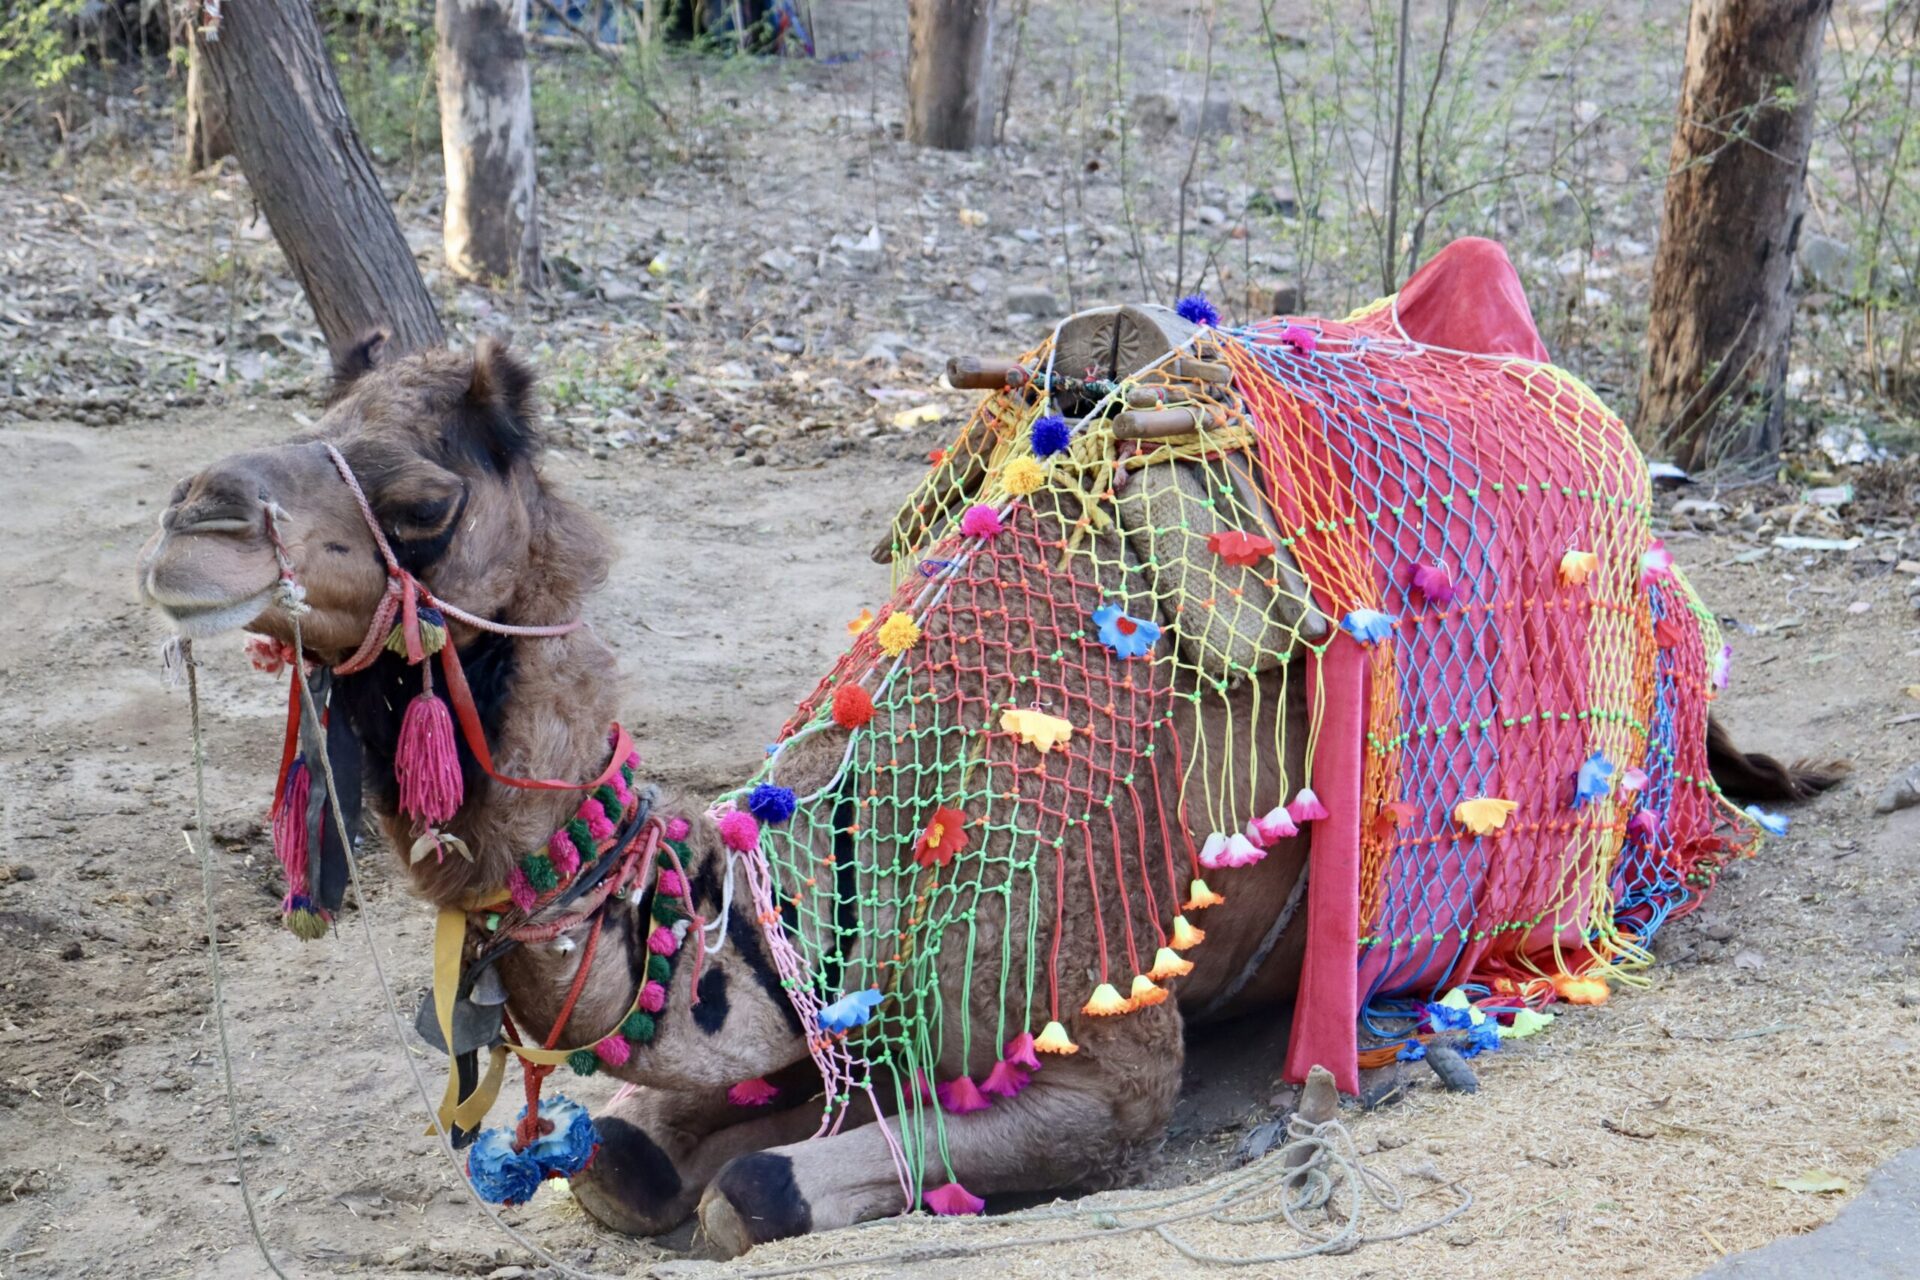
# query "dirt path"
(1781, 1036)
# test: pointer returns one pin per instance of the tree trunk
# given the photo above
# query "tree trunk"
(492, 229)
(1722, 307)
(949, 47)
(207, 138)
(268, 72)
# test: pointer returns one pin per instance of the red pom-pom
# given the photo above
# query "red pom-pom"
(852, 706)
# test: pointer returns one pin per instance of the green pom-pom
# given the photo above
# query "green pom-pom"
(664, 910)
(659, 968)
(626, 775)
(583, 1061)
(308, 926)
(582, 839)
(638, 1026)
(610, 801)
(540, 871)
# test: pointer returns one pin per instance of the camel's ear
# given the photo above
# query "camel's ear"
(501, 395)
(357, 360)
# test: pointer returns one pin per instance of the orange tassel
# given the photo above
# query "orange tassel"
(1198, 896)
(1580, 990)
(1105, 1002)
(1145, 995)
(1168, 964)
(1185, 936)
(1053, 1039)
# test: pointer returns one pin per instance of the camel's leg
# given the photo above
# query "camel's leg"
(659, 1148)
(1083, 1122)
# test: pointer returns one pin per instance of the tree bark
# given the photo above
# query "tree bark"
(268, 72)
(949, 48)
(492, 226)
(1722, 307)
(207, 138)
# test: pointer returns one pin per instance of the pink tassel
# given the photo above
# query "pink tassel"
(752, 1093)
(672, 885)
(613, 1051)
(1434, 582)
(290, 825)
(962, 1096)
(1019, 1051)
(595, 815)
(520, 890)
(677, 828)
(1306, 807)
(562, 854)
(1645, 824)
(653, 997)
(1005, 1080)
(427, 765)
(953, 1200)
(662, 942)
(922, 1090)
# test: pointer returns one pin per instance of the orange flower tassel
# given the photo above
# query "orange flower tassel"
(1145, 995)
(1198, 896)
(1105, 1002)
(1053, 1039)
(1185, 936)
(1168, 964)
(1580, 990)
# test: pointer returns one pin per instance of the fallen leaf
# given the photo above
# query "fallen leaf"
(918, 414)
(1813, 1182)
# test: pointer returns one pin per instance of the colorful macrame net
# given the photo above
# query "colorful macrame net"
(1519, 676)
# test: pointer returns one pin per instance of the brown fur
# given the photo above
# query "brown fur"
(1749, 775)
(428, 426)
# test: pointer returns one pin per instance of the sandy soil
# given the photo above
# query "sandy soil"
(1780, 1036)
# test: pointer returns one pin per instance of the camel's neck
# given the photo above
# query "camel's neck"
(546, 705)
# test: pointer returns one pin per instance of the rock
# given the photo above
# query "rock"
(1908, 999)
(1028, 235)
(1033, 302)
(1160, 114)
(1827, 263)
(73, 951)
(1699, 512)
(618, 291)
(1719, 931)
(1210, 215)
(1902, 793)
(779, 262)
(1750, 960)
(1286, 299)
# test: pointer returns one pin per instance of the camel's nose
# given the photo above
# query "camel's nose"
(220, 500)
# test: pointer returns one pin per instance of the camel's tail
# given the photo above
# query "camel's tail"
(1751, 776)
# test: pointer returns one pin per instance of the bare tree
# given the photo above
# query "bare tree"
(1722, 307)
(949, 47)
(492, 224)
(266, 68)
(207, 140)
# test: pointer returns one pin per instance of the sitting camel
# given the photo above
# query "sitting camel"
(945, 945)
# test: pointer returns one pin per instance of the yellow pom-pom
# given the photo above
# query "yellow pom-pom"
(1198, 896)
(1576, 990)
(1577, 566)
(1144, 994)
(1185, 936)
(1484, 815)
(1105, 1002)
(1023, 476)
(898, 634)
(1168, 964)
(1053, 1039)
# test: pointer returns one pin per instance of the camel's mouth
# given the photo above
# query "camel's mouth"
(198, 620)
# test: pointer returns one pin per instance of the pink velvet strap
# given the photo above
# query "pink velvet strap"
(1326, 1011)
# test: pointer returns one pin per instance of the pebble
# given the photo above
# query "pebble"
(1719, 931)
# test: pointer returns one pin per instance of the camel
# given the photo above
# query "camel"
(445, 447)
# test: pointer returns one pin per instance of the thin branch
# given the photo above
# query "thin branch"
(1390, 249)
(612, 59)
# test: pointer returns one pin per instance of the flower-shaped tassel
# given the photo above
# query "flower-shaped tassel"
(752, 1093)
(953, 1200)
(1145, 994)
(1005, 1080)
(1020, 1051)
(1053, 1038)
(1105, 1002)
(1276, 826)
(1306, 807)
(1168, 963)
(1199, 896)
(1185, 936)
(961, 1096)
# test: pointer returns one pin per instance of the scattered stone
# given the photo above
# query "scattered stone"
(779, 262)
(1210, 215)
(1827, 263)
(1908, 999)
(1161, 114)
(1902, 793)
(1750, 960)
(1031, 301)
(1286, 300)
(73, 951)
(1719, 931)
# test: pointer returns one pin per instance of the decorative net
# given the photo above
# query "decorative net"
(1060, 728)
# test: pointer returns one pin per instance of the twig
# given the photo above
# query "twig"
(613, 60)
(1390, 251)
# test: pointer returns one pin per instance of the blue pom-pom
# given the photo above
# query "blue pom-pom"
(1481, 1038)
(1411, 1051)
(1444, 1017)
(769, 803)
(566, 1150)
(1051, 435)
(1195, 309)
(501, 1174)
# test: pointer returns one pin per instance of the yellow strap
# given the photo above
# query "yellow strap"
(449, 936)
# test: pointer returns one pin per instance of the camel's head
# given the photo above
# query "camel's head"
(443, 445)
